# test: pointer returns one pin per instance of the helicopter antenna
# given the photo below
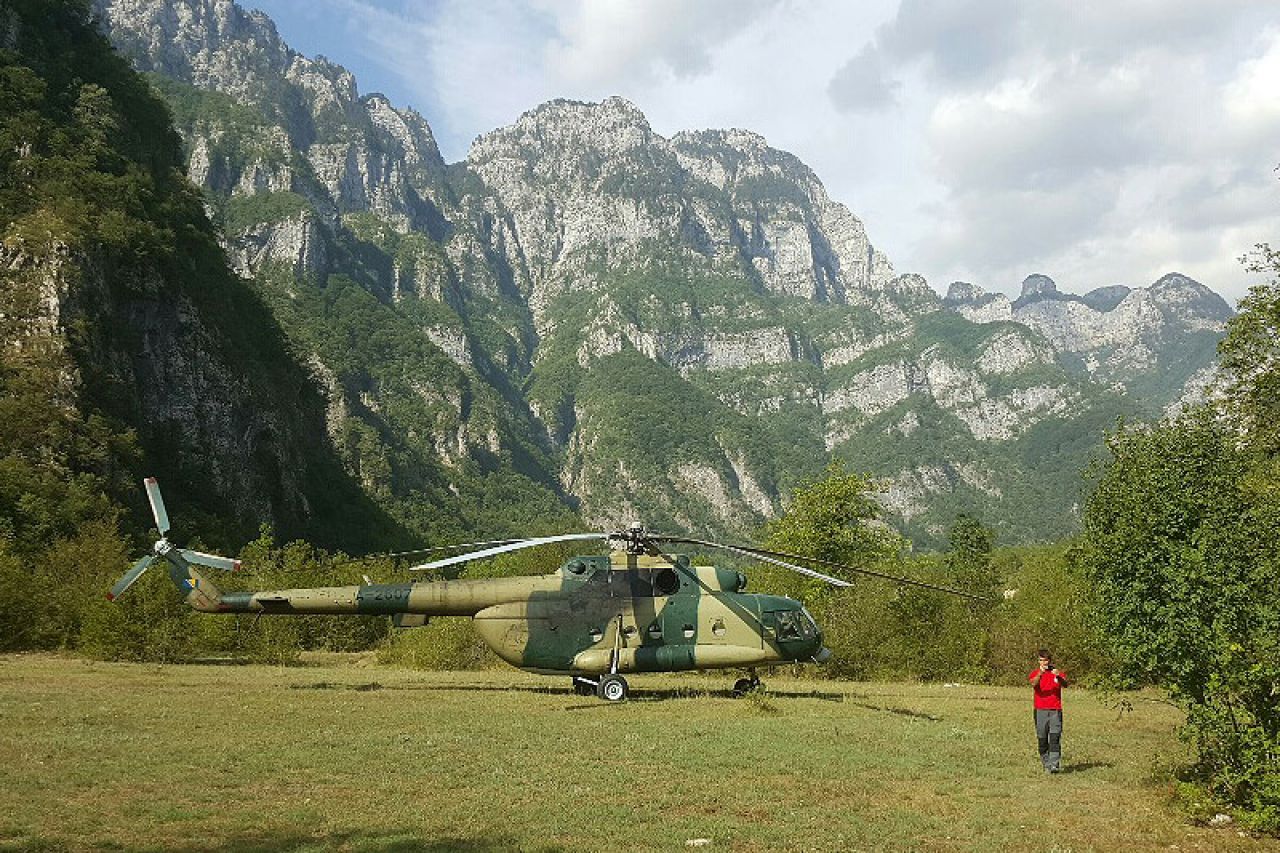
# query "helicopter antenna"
(777, 557)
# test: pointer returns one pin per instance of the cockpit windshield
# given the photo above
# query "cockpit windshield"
(810, 627)
(795, 625)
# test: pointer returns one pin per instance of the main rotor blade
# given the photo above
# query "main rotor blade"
(502, 549)
(130, 576)
(213, 561)
(157, 505)
(455, 546)
(752, 550)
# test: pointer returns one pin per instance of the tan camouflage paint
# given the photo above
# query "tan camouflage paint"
(627, 613)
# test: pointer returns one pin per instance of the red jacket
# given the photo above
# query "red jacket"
(1047, 687)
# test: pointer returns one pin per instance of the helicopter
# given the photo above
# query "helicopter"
(640, 608)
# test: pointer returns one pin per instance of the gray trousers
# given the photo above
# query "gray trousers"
(1049, 735)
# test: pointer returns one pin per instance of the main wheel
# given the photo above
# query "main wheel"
(743, 686)
(612, 688)
(583, 687)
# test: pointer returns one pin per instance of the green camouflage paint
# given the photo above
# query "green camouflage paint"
(629, 612)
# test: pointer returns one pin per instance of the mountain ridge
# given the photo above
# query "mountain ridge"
(575, 255)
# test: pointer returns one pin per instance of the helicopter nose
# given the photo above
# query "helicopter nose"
(823, 655)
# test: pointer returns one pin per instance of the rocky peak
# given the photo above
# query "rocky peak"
(1037, 285)
(409, 130)
(964, 293)
(1188, 303)
(612, 126)
(208, 43)
(975, 304)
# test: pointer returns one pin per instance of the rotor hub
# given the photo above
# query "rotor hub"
(634, 538)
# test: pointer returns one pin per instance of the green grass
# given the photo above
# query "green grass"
(138, 757)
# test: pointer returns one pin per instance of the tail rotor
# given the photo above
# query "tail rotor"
(179, 560)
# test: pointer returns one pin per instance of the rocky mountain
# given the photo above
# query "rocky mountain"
(586, 314)
(1150, 340)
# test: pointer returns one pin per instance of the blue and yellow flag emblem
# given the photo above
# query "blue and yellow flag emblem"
(194, 583)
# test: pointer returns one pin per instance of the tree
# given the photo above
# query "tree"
(968, 562)
(1250, 355)
(1183, 557)
(835, 518)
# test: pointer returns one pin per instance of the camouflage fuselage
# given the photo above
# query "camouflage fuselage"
(625, 612)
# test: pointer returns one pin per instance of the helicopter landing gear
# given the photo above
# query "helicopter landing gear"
(743, 686)
(612, 688)
(583, 686)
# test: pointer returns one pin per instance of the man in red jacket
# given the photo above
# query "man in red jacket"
(1047, 682)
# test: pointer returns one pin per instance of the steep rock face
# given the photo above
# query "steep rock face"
(591, 185)
(366, 155)
(129, 300)
(976, 305)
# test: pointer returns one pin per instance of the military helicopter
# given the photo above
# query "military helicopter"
(640, 608)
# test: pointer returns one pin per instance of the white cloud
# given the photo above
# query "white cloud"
(1094, 153)
(621, 43)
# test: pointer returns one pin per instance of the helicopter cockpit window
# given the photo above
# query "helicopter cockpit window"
(789, 625)
(808, 627)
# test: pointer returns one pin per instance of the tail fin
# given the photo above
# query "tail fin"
(200, 592)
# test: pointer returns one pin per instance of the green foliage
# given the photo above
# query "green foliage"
(1180, 541)
(242, 212)
(1250, 355)
(447, 643)
(833, 519)
(1048, 606)
(882, 630)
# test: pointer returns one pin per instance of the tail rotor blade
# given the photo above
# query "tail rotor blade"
(130, 576)
(157, 505)
(213, 561)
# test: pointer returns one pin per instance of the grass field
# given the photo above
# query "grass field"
(138, 757)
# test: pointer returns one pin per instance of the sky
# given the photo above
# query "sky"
(1096, 143)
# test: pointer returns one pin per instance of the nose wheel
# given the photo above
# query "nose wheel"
(612, 688)
(743, 686)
